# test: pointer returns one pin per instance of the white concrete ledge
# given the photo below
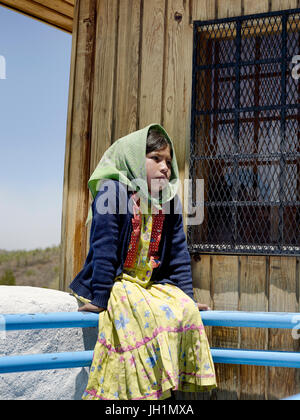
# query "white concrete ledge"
(64, 384)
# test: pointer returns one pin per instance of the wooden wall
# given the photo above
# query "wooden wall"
(249, 283)
(131, 66)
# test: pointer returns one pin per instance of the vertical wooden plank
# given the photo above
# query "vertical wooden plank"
(201, 269)
(178, 81)
(253, 6)
(75, 202)
(63, 262)
(104, 83)
(229, 8)
(152, 58)
(225, 281)
(283, 298)
(203, 9)
(283, 4)
(253, 297)
(127, 81)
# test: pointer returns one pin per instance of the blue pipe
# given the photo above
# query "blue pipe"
(292, 398)
(30, 362)
(256, 357)
(251, 319)
(214, 318)
(50, 320)
(9, 364)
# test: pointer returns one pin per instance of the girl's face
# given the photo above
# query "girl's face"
(158, 167)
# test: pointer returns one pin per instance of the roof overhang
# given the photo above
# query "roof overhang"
(57, 13)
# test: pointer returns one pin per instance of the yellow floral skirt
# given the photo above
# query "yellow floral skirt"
(151, 340)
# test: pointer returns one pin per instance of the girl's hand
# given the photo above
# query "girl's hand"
(203, 307)
(88, 307)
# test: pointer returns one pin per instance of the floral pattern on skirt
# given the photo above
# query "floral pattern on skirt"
(151, 338)
(151, 341)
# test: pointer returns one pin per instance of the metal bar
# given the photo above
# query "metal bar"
(32, 362)
(247, 109)
(88, 319)
(237, 103)
(199, 23)
(194, 87)
(50, 320)
(284, 320)
(245, 63)
(291, 398)
(253, 156)
(256, 357)
(266, 250)
(192, 168)
(298, 148)
(282, 164)
(248, 204)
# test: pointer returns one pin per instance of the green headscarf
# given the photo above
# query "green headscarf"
(125, 161)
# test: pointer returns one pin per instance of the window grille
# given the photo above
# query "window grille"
(245, 134)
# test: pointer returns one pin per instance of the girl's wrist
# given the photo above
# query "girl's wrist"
(89, 307)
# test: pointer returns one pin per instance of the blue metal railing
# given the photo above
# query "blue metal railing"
(212, 318)
(50, 320)
(31, 362)
(292, 398)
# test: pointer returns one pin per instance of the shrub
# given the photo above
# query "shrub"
(8, 278)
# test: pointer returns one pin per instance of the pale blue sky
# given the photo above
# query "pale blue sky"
(33, 115)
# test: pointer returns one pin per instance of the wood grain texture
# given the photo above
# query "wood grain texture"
(59, 6)
(284, 4)
(57, 13)
(225, 279)
(104, 79)
(252, 6)
(104, 84)
(65, 248)
(127, 79)
(283, 298)
(178, 81)
(204, 9)
(78, 143)
(229, 8)
(202, 283)
(152, 62)
(253, 297)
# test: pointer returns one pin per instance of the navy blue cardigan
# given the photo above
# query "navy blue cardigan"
(109, 241)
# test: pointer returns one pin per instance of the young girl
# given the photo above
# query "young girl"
(137, 275)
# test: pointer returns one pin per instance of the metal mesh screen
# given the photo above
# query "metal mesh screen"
(245, 134)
